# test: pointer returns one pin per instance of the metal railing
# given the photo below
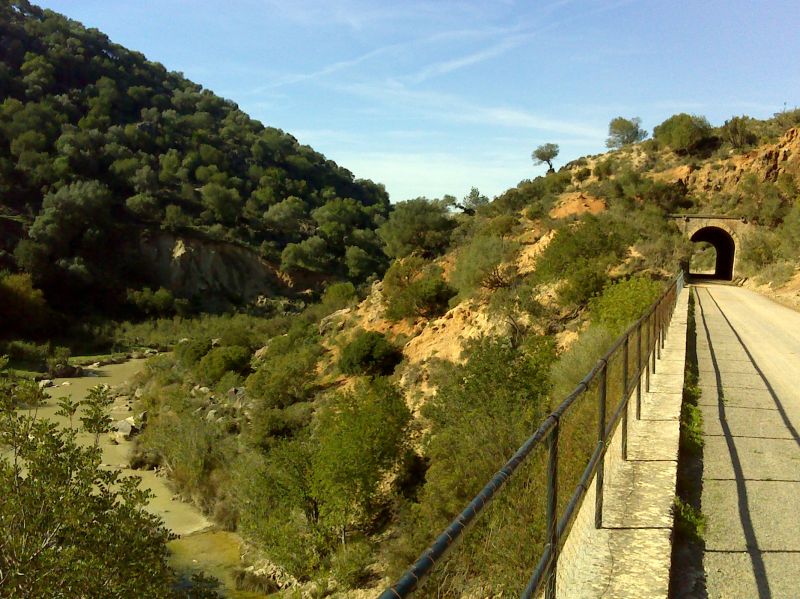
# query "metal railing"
(648, 335)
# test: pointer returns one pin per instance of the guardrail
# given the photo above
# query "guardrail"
(638, 349)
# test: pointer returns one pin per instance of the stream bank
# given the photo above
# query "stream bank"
(200, 546)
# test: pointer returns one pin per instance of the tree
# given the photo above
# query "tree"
(683, 133)
(737, 132)
(68, 526)
(545, 153)
(473, 200)
(622, 131)
(419, 225)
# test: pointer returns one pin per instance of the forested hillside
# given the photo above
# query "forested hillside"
(97, 144)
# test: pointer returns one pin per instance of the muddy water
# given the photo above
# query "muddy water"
(200, 547)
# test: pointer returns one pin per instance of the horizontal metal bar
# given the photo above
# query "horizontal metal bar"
(421, 568)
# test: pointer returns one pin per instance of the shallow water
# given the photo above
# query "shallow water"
(200, 546)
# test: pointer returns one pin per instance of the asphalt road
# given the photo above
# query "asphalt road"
(748, 351)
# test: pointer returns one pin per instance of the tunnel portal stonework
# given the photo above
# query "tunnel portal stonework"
(725, 233)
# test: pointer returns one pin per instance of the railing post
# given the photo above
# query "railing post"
(601, 438)
(625, 398)
(654, 341)
(552, 509)
(660, 328)
(647, 360)
(639, 373)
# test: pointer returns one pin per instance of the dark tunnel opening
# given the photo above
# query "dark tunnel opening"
(724, 245)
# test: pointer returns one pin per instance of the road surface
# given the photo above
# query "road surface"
(748, 350)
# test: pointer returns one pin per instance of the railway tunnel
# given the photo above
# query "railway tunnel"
(725, 248)
(722, 232)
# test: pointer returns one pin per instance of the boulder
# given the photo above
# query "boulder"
(45, 383)
(66, 371)
(126, 428)
(211, 415)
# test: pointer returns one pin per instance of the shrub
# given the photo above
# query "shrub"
(27, 351)
(284, 377)
(481, 264)
(759, 249)
(475, 426)
(188, 353)
(736, 131)
(211, 367)
(415, 287)
(23, 309)
(338, 296)
(585, 280)
(273, 423)
(604, 168)
(369, 353)
(684, 133)
(582, 174)
(147, 301)
(349, 565)
(623, 302)
(778, 273)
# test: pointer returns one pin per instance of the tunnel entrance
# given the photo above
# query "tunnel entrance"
(725, 248)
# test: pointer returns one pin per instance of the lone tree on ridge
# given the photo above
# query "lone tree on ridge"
(545, 153)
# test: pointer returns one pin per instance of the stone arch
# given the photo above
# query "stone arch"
(724, 242)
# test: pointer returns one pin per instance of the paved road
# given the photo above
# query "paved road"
(749, 359)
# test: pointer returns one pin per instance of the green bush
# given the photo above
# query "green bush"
(585, 280)
(476, 425)
(604, 168)
(27, 351)
(369, 353)
(737, 132)
(190, 352)
(481, 264)
(415, 287)
(284, 378)
(684, 133)
(213, 366)
(277, 423)
(338, 296)
(623, 302)
(582, 174)
(349, 565)
(759, 249)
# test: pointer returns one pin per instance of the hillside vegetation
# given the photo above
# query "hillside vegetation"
(339, 431)
(365, 423)
(99, 145)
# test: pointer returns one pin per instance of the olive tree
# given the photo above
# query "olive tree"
(545, 153)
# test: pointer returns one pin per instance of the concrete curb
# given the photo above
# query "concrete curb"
(630, 555)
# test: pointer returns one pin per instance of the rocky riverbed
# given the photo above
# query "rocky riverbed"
(200, 546)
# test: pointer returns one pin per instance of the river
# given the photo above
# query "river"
(200, 546)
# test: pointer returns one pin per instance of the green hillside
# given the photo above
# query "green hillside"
(97, 144)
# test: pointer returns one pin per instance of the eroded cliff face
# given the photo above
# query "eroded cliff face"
(766, 162)
(213, 273)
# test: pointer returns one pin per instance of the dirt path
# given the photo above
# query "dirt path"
(749, 360)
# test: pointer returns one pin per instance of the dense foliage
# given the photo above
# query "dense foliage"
(97, 142)
(69, 527)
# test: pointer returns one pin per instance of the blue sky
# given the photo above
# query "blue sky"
(434, 97)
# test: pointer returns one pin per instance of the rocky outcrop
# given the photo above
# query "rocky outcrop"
(213, 273)
(766, 162)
